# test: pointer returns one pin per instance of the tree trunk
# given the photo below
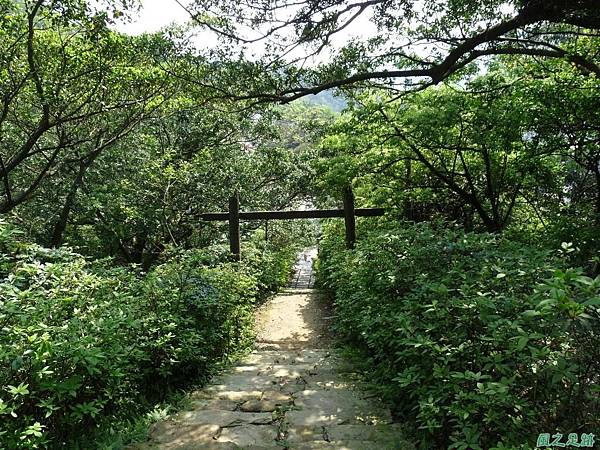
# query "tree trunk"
(597, 173)
(61, 225)
(63, 218)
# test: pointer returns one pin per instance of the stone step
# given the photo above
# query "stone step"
(352, 445)
(339, 433)
(245, 401)
(314, 445)
(282, 345)
(310, 356)
(208, 427)
(282, 369)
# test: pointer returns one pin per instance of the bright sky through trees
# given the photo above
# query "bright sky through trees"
(155, 15)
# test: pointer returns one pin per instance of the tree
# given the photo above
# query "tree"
(413, 44)
(70, 89)
(568, 125)
(453, 152)
(146, 193)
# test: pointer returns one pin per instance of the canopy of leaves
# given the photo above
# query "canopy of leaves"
(408, 43)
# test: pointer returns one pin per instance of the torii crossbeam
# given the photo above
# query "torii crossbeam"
(348, 213)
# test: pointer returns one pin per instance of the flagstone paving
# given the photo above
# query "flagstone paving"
(291, 392)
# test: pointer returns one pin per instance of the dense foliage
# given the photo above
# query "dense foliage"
(481, 341)
(84, 343)
(475, 123)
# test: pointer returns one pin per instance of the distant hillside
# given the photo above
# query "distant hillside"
(326, 98)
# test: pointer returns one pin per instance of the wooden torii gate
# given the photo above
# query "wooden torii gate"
(234, 216)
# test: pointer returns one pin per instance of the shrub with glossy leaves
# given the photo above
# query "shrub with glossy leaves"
(480, 341)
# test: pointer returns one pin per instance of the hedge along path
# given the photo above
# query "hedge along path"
(291, 392)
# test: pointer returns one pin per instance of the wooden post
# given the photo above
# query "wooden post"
(349, 219)
(234, 226)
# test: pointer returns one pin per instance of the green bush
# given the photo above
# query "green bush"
(480, 341)
(83, 344)
(273, 268)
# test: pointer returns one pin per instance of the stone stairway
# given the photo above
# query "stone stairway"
(297, 399)
(303, 277)
(292, 392)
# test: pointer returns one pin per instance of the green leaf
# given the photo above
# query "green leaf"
(522, 342)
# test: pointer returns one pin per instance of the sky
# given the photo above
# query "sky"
(155, 14)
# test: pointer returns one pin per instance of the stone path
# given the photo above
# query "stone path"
(291, 392)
